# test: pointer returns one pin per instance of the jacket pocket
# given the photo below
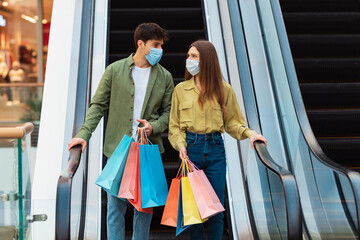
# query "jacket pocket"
(186, 112)
(217, 114)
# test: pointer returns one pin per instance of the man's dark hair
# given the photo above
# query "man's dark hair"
(147, 31)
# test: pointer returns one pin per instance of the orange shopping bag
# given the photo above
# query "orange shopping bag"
(137, 198)
(206, 199)
(170, 213)
(128, 181)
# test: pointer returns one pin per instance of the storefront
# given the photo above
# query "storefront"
(24, 36)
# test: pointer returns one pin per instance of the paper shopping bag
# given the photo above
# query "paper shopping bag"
(111, 175)
(137, 198)
(190, 209)
(170, 213)
(154, 189)
(180, 218)
(206, 199)
(128, 181)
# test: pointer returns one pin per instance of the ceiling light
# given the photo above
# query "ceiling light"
(28, 18)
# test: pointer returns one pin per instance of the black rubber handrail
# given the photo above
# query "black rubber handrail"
(63, 195)
(352, 176)
(290, 189)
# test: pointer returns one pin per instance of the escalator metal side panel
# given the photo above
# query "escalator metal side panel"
(93, 214)
(241, 227)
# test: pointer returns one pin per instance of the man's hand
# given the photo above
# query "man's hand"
(256, 137)
(147, 126)
(75, 141)
(183, 153)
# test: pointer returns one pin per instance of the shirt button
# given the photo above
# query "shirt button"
(130, 120)
(132, 95)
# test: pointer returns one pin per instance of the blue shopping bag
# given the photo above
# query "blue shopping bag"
(180, 217)
(111, 175)
(154, 189)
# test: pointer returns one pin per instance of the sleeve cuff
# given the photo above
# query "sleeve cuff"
(83, 135)
(155, 127)
(248, 132)
(179, 145)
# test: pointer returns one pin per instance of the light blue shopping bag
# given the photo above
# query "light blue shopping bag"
(154, 189)
(111, 175)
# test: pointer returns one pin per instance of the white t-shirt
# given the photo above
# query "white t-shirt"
(141, 79)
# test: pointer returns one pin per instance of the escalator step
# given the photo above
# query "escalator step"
(345, 151)
(168, 18)
(335, 123)
(328, 69)
(322, 23)
(170, 235)
(331, 95)
(155, 4)
(318, 5)
(180, 40)
(325, 45)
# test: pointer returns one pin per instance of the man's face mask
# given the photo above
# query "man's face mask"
(154, 56)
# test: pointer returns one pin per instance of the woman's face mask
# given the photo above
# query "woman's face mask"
(192, 66)
(154, 56)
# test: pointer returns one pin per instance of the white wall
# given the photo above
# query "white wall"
(57, 116)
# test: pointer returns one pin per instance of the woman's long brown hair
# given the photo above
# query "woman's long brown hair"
(210, 74)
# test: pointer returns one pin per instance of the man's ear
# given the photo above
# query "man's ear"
(140, 43)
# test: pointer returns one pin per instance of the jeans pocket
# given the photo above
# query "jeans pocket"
(218, 141)
(190, 141)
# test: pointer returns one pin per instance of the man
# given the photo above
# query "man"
(135, 90)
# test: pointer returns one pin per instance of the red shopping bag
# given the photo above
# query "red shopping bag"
(128, 181)
(137, 198)
(206, 199)
(170, 213)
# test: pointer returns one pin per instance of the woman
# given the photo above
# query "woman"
(203, 107)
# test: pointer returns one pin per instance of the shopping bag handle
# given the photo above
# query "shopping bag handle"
(194, 167)
(180, 169)
(143, 138)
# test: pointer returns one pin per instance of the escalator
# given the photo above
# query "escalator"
(324, 38)
(263, 201)
(329, 192)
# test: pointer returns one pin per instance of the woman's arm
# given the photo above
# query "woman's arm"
(176, 136)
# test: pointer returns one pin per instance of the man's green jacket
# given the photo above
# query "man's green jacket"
(116, 93)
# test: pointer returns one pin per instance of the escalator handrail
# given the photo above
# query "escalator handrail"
(290, 189)
(353, 177)
(63, 195)
(291, 193)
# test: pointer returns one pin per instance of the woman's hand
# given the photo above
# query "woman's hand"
(256, 137)
(183, 153)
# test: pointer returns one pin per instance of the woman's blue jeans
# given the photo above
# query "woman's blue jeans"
(116, 210)
(207, 152)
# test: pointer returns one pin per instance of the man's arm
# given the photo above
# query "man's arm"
(161, 124)
(99, 104)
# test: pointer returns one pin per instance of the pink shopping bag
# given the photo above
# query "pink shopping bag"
(206, 199)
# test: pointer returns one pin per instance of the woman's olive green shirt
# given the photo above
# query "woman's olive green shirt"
(186, 115)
